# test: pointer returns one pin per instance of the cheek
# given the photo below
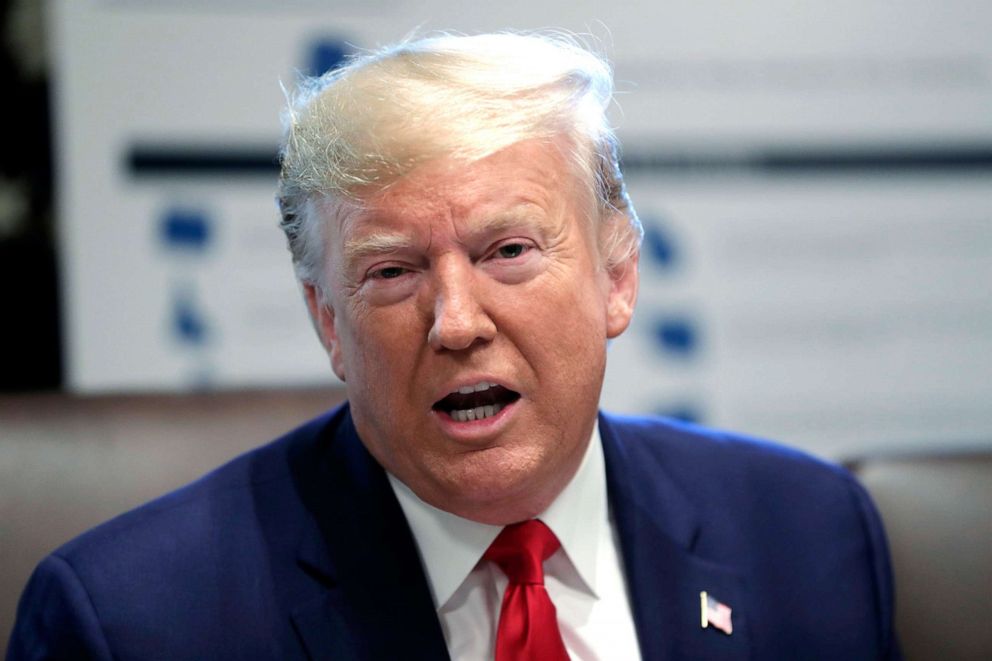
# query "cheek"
(564, 324)
(382, 344)
(572, 300)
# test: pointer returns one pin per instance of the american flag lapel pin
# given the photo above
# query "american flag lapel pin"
(714, 614)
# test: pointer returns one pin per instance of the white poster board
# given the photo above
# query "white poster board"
(816, 182)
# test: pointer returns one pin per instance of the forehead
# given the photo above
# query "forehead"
(518, 181)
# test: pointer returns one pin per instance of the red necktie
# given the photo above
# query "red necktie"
(528, 626)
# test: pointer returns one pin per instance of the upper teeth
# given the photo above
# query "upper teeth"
(479, 387)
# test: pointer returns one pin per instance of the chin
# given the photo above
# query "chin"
(495, 490)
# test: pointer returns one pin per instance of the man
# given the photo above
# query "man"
(466, 249)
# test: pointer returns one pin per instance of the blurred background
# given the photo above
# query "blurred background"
(815, 181)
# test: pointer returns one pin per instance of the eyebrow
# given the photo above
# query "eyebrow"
(374, 244)
(508, 219)
(380, 243)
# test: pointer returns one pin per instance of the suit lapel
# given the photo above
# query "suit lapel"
(657, 526)
(376, 603)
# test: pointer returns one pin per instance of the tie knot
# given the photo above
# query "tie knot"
(521, 549)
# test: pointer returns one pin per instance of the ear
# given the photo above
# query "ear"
(624, 280)
(322, 316)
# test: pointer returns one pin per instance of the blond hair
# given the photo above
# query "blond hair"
(359, 128)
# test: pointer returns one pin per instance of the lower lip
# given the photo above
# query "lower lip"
(472, 431)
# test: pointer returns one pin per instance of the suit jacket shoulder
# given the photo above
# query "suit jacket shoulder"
(791, 543)
(269, 556)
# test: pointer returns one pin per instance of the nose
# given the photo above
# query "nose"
(460, 318)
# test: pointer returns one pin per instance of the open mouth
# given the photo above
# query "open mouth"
(476, 402)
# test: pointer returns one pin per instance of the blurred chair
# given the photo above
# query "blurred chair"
(937, 510)
(68, 463)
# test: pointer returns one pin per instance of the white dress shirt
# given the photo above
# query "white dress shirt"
(584, 578)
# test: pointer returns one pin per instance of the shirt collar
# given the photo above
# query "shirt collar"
(451, 546)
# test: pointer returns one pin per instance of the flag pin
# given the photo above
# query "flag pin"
(714, 614)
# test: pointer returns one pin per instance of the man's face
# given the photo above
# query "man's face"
(467, 309)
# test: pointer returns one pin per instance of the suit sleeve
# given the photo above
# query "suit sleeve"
(56, 618)
(881, 571)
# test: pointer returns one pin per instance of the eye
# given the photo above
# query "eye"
(510, 250)
(513, 260)
(389, 272)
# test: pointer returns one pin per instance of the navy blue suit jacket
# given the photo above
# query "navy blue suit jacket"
(300, 550)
